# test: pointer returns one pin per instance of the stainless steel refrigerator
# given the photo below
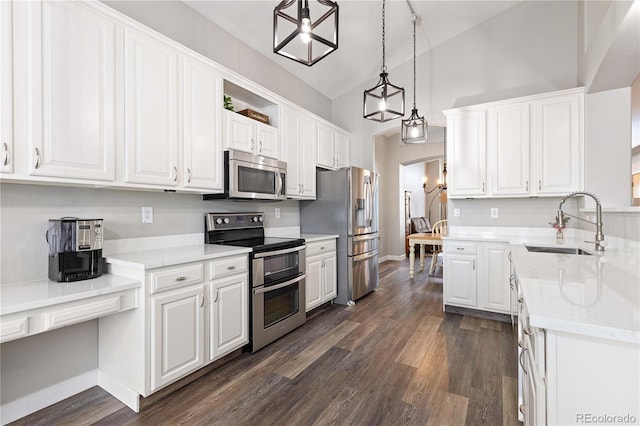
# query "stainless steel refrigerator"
(347, 204)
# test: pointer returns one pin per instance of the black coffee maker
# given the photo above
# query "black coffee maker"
(75, 249)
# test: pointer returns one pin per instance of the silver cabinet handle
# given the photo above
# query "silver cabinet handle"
(188, 175)
(527, 330)
(253, 144)
(520, 300)
(6, 154)
(302, 188)
(321, 247)
(37, 157)
(527, 186)
(539, 185)
(482, 186)
(181, 278)
(231, 268)
(521, 358)
(217, 296)
(259, 146)
(474, 265)
(522, 408)
(202, 303)
(175, 170)
(460, 248)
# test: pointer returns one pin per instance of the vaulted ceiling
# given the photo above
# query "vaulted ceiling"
(359, 56)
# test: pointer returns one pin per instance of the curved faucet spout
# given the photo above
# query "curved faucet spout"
(599, 242)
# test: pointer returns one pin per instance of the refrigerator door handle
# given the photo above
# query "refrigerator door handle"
(366, 237)
(365, 256)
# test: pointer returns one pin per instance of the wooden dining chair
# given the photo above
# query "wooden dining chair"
(439, 229)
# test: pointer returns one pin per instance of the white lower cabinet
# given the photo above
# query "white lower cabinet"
(476, 275)
(228, 315)
(190, 315)
(177, 334)
(321, 269)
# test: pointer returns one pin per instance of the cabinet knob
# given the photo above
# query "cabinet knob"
(181, 278)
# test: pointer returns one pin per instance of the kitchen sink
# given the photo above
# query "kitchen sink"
(559, 250)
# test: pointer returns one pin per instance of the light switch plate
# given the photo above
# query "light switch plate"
(277, 213)
(456, 212)
(147, 215)
(494, 213)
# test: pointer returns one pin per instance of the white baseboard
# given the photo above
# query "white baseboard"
(397, 258)
(16, 409)
(127, 396)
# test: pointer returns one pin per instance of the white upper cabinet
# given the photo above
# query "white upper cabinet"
(299, 139)
(6, 88)
(202, 125)
(557, 134)
(534, 146)
(508, 133)
(67, 68)
(246, 134)
(466, 152)
(151, 110)
(333, 147)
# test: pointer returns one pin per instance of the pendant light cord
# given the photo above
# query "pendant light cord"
(415, 18)
(384, 67)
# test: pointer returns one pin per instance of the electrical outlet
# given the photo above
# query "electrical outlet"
(277, 213)
(147, 215)
(456, 212)
(494, 213)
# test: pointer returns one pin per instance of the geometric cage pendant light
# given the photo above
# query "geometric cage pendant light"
(296, 36)
(414, 129)
(384, 101)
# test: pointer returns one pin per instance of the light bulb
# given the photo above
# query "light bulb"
(383, 105)
(305, 38)
(306, 25)
(414, 131)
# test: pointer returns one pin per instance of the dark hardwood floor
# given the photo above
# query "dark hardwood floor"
(392, 359)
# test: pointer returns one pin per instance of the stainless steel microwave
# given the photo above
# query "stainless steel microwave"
(252, 177)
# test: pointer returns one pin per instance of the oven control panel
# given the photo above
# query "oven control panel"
(218, 221)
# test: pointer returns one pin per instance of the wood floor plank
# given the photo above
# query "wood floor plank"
(300, 361)
(395, 358)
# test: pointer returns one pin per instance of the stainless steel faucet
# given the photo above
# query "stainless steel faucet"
(599, 242)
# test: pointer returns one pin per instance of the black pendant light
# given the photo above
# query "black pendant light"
(299, 37)
(385, 101)
(414, 129)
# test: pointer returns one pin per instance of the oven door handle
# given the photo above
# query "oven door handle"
(365, 256)
(277, 252)
(281, 285)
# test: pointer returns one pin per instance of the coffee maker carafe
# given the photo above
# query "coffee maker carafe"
(75, 249)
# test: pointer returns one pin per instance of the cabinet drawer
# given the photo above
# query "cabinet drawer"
(228, 266)
(176, 277)
(460, 247)
(320, 247)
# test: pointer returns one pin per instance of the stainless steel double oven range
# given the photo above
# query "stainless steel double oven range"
(276, 273)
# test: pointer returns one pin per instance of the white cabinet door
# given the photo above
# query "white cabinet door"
(151, 111)
(313, 290)
(466, 149)
(342, 150)
(203, 160)
(69, 84)
(557, 133)
(460, 280)
(268, 143)
(239, 132)
(307, 156)
(509, 141)
(177, 334)
(494, 289)
(228, 315)
(326, 147)
(292, 148)
(330, 278)
(6, 88)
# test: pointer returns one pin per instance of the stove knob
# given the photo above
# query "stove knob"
(219, 221)
(226, 220)
(260, 219)
(255, 218)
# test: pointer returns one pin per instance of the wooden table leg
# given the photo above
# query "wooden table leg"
(422, 257)
(412, 257)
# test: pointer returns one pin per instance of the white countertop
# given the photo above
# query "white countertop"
(310, 238)
(157, 258)
(23, 296)
(579, 294)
